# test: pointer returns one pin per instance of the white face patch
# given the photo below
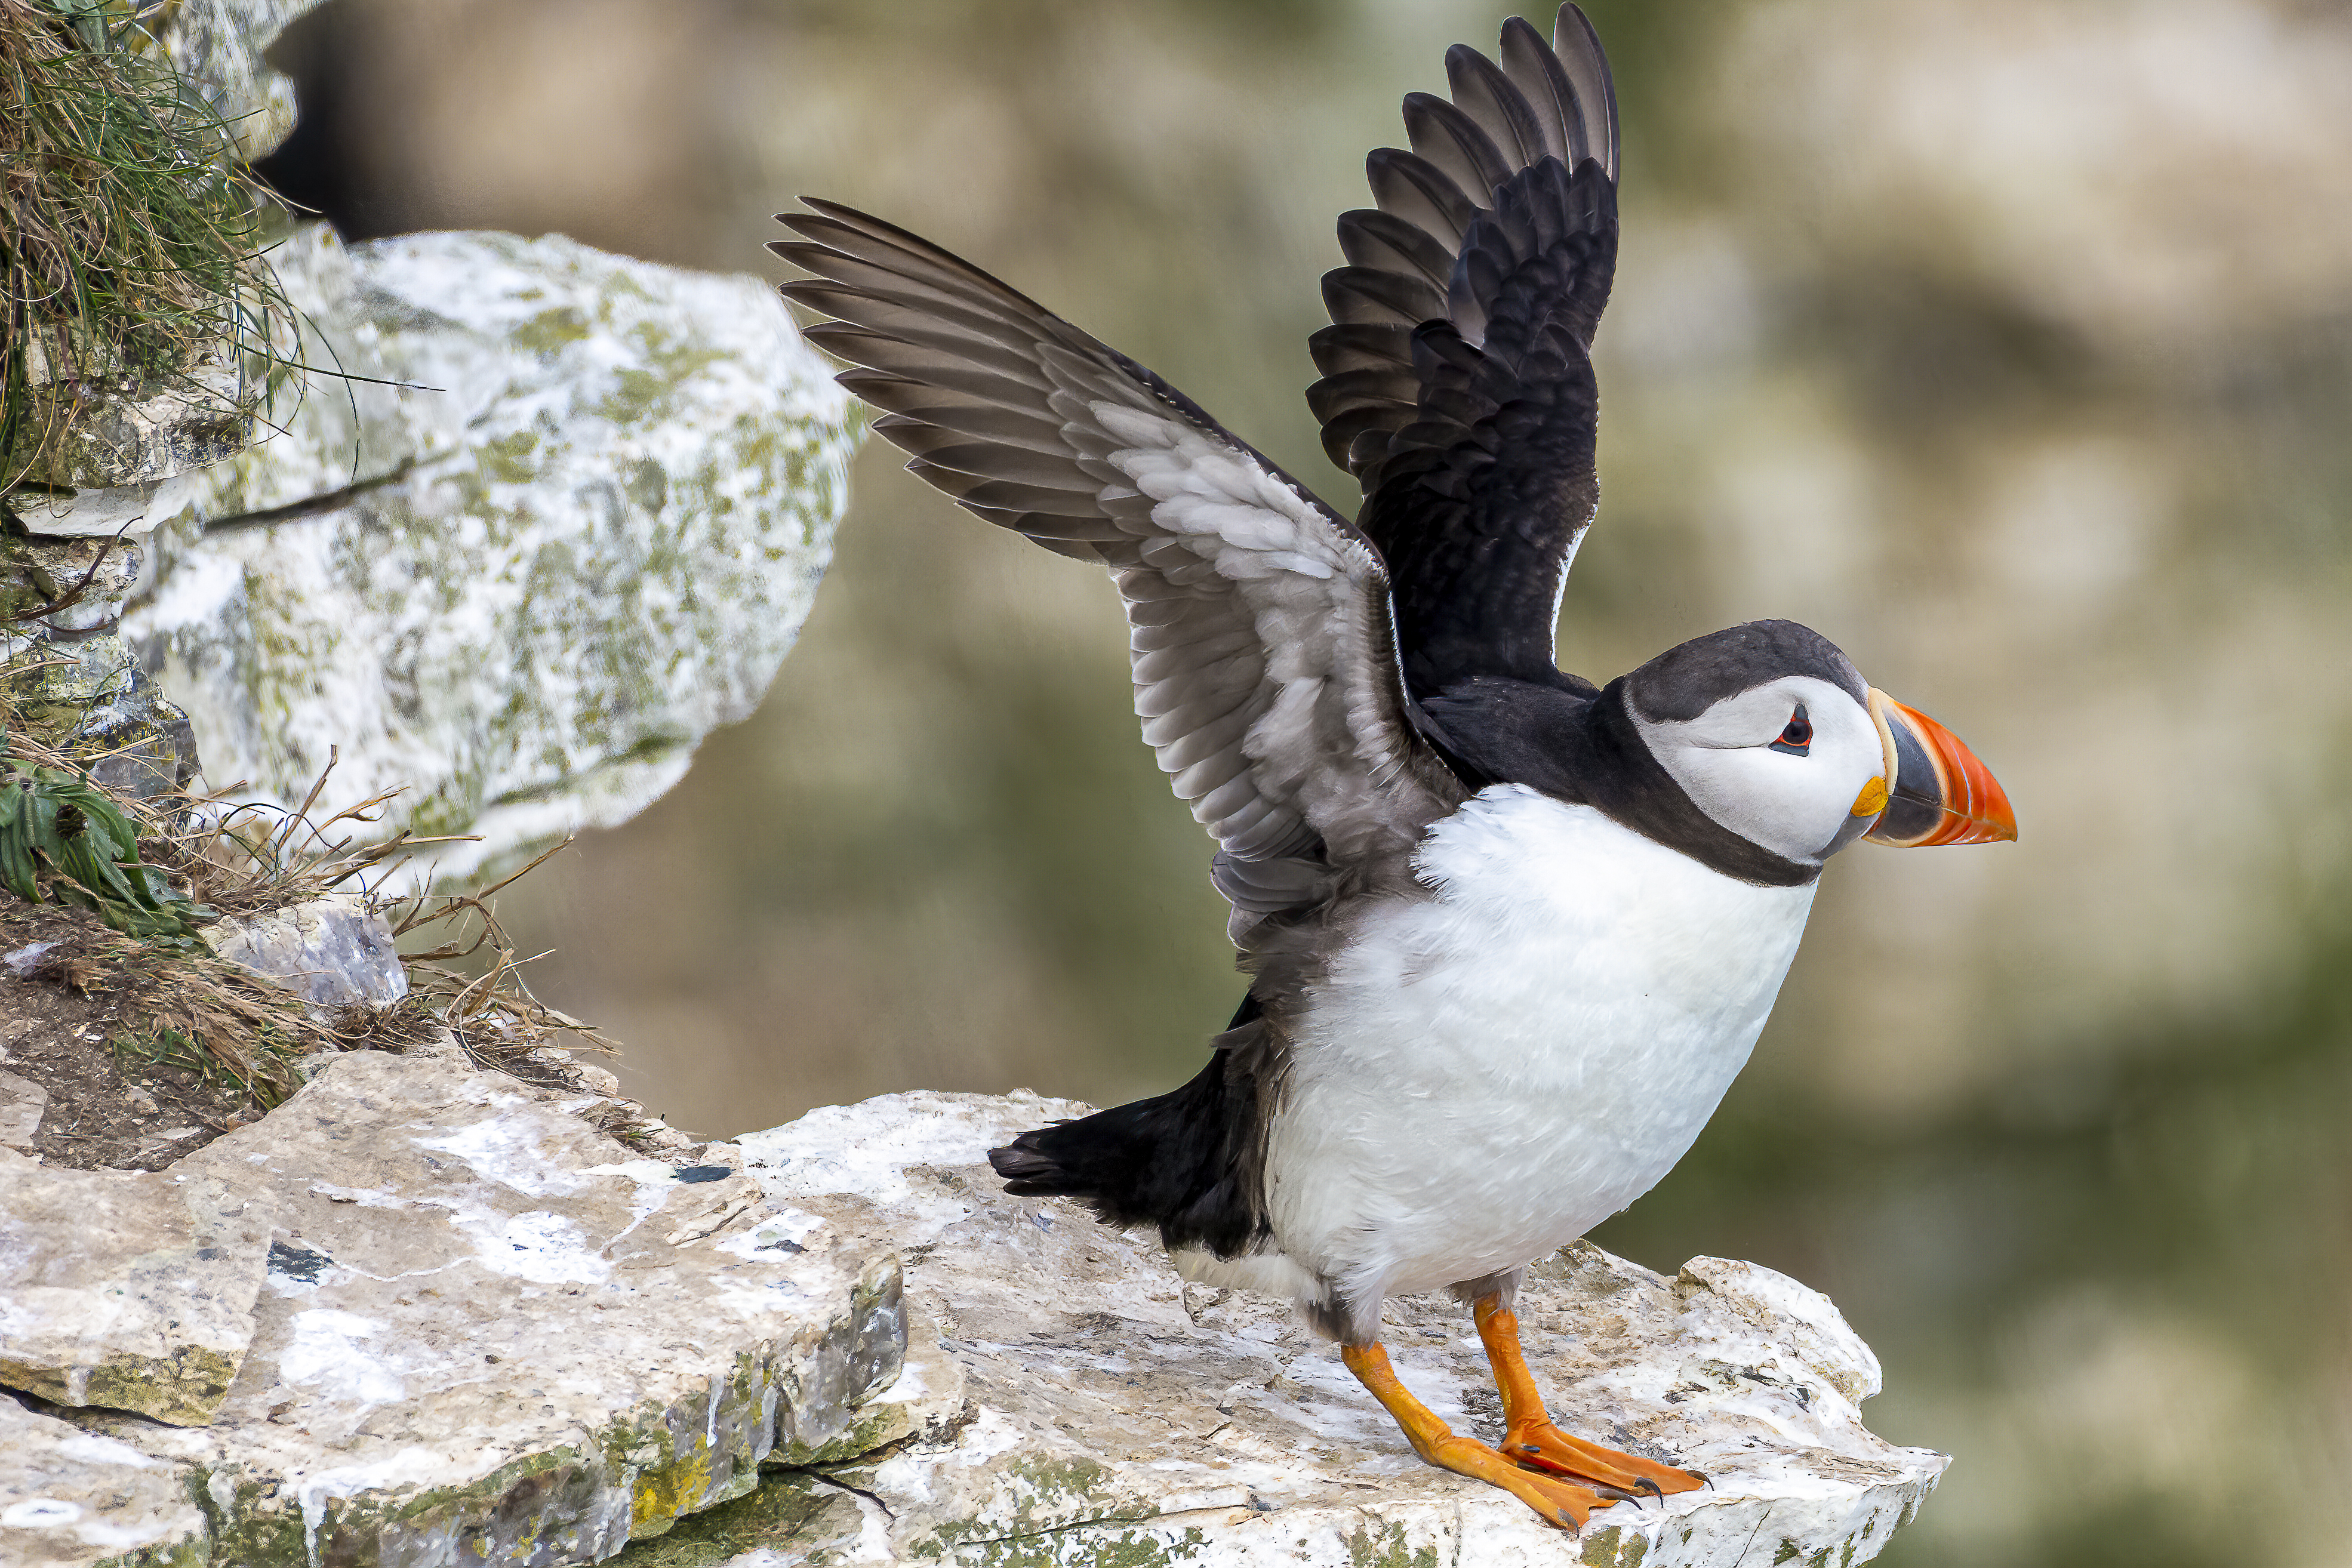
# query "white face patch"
(1796, 805)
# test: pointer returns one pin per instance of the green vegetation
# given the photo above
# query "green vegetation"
(63, 838)
(155, 870)
(128, 236)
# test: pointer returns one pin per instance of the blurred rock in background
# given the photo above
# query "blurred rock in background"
(565, 516)
(2007, 343)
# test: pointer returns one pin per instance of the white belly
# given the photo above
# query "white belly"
(1487, 1074)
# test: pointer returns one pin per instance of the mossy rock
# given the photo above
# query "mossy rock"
(572, 525)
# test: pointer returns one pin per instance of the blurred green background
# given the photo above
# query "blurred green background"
(2007, 342)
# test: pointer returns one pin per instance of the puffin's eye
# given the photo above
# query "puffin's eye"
(1798, 736)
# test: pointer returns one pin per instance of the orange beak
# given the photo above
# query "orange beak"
(1937, 792)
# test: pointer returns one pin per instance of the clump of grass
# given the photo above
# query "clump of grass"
(213, 1017)
(64, 840)
(211, 860)
(245, 859)
(254, 857)
(473, 983)
(128, 235)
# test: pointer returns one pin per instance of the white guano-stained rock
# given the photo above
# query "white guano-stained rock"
(1114, 1414)
(112, 449)
(126, 1289)
(572, 523)
(71, 1499)
(217, 44)
(491, 1334)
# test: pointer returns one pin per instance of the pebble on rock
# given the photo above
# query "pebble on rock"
(332, 951)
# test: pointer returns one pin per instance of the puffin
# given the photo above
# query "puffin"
(1509, 934)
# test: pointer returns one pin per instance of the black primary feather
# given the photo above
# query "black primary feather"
(1467, 408)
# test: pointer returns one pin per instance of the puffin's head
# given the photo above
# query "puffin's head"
(1773, 734)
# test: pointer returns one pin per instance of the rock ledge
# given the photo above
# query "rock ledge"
(485, 1333)
(418, 1315)
(1115, 1414)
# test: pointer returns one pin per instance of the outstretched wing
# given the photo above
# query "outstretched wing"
(1458, 375)
(1263, 653)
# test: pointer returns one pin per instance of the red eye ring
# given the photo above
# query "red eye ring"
(1798, 734)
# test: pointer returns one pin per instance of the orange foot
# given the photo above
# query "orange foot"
(1541, 1445)
(1531, 1439)
(1560, 1502)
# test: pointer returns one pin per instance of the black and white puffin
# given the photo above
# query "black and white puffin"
(1509, 934)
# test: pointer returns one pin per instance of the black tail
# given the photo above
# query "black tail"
(1189, 1161)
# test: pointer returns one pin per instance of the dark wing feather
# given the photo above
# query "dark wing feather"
(1260, 638)
(1374, 239)
(1457, 379)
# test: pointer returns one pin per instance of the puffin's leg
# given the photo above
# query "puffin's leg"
(1528, 1436)
(1559, 1501)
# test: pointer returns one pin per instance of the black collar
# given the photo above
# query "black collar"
(1586, 751)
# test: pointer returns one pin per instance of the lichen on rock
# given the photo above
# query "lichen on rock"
(70, 680)
(488, 1333)
(126, 1290)
(138, 429)
(71, 1499)
(571, 522)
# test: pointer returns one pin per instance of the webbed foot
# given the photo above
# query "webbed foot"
(1562, 1502)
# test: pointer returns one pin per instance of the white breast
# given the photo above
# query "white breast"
(1488, 1074)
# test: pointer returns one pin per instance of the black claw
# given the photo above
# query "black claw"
(1652, 1489)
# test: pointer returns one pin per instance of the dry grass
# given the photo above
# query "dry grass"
(469, 982)
(127, 253)
(211, 1016)
(201, 1011)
